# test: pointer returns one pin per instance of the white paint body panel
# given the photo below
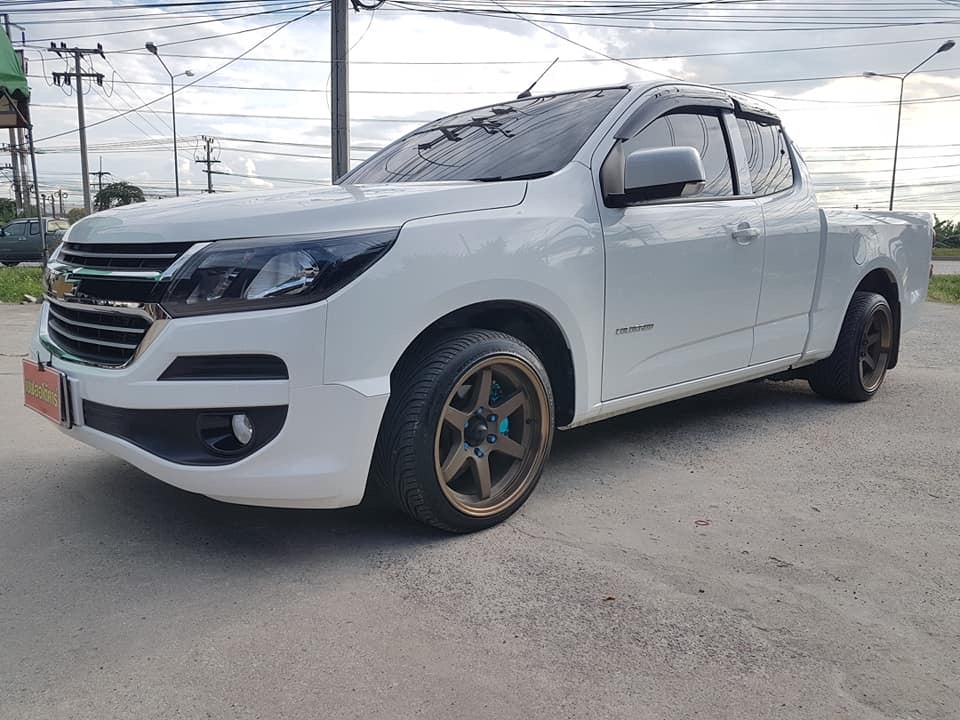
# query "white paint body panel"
(722, 312)
(678, 268)
(791, 255)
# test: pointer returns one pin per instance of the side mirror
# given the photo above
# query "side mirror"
(661, 173)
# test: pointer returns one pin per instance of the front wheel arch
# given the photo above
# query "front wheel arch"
(532, 325)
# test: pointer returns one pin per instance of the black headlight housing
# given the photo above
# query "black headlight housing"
(261, 273)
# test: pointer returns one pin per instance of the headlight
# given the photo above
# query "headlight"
(240, 275)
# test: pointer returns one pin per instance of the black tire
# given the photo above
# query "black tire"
(426, 387)
(846, 375)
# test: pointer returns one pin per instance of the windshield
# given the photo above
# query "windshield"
(520, 139)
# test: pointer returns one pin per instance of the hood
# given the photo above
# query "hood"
(284, 212)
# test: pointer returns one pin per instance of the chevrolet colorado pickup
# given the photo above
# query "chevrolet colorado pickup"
(428, 322)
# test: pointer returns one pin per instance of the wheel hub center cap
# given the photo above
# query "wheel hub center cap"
(476, 431)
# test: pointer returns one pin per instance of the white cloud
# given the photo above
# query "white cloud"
(819, 113)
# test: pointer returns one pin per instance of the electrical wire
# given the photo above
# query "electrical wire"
(185, 85)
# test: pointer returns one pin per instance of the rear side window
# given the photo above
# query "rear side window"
(770, 168)
(34, 228)
(704, 133)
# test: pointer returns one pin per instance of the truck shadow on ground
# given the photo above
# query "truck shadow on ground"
(107, 498)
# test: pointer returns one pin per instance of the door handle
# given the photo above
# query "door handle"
(744, 235)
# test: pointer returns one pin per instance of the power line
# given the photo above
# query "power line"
(306, 118)
(492, 93)
(179, 25)
(186, 85)
(672, 56)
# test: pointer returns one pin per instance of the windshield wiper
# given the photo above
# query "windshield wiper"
(526, 176)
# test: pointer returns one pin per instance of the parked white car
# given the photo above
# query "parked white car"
(491, 276)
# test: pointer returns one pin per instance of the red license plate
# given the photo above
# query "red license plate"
(44, 391)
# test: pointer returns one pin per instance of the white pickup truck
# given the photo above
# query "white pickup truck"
(493, 275)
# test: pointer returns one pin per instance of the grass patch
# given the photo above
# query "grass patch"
(945, 288)
(946, 252)
(15, 282)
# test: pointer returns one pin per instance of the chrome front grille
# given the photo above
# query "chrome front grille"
(103, 298)
(97, 336)
(150, 257)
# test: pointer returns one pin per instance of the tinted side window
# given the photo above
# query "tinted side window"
(34, 228)
(704, 133)
(767, 157)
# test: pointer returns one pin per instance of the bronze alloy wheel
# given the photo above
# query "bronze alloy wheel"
(492, 436)
(863, 353)
(875, 346)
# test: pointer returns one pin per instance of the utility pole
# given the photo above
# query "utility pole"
(100, 173)
(60, 78)
(339, 107)
(14, 168)
(208, 160)
(61, 195)
(21, 192)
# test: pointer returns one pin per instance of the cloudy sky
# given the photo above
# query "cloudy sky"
(269, 111)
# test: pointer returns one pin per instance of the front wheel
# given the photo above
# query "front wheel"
(466, 432)
(858, 365)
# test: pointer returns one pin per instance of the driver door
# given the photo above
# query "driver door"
(683, 275)
(10, 241)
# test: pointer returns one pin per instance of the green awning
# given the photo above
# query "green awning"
(14, 91)
(12, 78)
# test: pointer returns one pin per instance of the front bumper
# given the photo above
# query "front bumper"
(319, 458)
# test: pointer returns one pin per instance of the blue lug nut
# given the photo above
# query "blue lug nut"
(491, 438)
(478, 452)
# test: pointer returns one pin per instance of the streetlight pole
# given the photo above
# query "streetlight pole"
(903, 79)
(173, 107)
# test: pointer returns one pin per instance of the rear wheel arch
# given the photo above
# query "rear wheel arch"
(530, 324)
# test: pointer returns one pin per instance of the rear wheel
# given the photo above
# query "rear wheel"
(466, 432)
(858, 365)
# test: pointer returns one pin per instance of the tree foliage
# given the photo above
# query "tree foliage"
(8, 210)
(118, 193)
(74, 214)
(948, 233)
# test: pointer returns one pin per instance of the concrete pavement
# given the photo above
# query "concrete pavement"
(753, 553)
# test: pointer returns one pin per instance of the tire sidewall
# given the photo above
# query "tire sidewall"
(425, 468)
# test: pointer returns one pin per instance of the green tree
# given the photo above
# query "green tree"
(118, 193)
(8, 210)
(74, 214)
(947, 233)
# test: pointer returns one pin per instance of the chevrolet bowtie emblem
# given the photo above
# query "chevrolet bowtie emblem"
(60, 285)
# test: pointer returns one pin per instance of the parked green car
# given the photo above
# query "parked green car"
(20, 240)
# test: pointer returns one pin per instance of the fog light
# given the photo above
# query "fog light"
(242, 428)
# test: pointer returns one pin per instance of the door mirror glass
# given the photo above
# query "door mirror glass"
(662, 173)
